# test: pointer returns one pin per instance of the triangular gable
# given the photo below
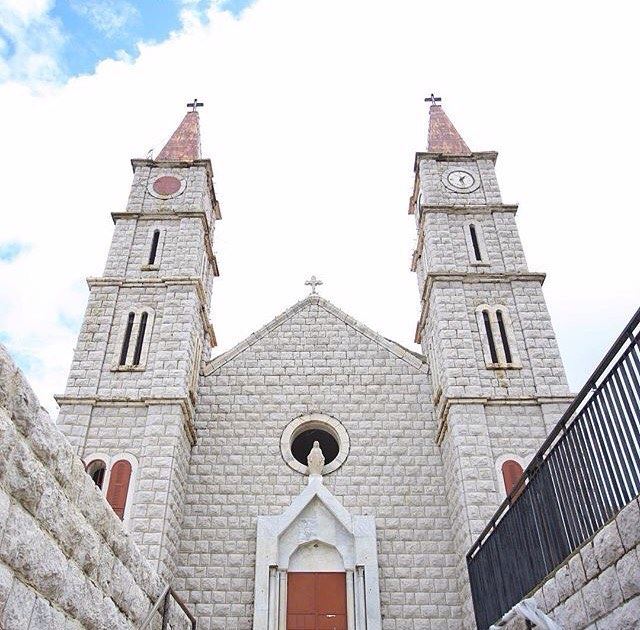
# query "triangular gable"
(414, 359)
(297, 506)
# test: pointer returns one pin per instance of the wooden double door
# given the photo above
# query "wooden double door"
(316, 601)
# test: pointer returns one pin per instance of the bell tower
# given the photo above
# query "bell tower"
(128, 408)
(498, 380)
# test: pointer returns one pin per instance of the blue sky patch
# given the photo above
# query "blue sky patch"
(103, 29)
(69, 322)
(73, 36)
(236, 7)
(11, 250)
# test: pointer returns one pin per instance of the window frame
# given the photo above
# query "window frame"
(155, 265)
(109, 461)
(497, 350)
(482, 246)
(133, 350)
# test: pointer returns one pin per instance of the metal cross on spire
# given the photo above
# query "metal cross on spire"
(313, 283)
(195, 104)
(434, 99)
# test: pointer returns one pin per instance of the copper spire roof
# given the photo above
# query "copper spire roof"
(443, 136)
(184, 144)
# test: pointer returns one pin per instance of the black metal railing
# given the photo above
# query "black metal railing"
(586, 471)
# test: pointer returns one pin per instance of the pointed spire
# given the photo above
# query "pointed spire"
(443, 136)
(184, 144)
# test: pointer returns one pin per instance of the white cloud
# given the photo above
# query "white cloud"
(32, 40)
(109, 17)
(313, 112)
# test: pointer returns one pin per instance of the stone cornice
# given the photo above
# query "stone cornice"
(447, 403)
(170, 216)
(467, 276)
(510, 208)
(195, 282)
(441, 157)
(205, 163)
(186, 406)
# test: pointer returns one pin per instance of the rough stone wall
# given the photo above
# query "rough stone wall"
(65, 560)
(598, 587)
(313, 360)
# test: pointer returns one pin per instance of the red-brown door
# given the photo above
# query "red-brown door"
(316, 601)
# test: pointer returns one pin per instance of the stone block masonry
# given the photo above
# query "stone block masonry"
(314, 358)
(66, 561)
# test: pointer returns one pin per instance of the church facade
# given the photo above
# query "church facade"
(205, 458)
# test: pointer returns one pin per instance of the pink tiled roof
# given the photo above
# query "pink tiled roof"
(443, 136)
(184, 144)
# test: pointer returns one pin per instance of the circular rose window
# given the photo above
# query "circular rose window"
(167, 186)
(300, 434)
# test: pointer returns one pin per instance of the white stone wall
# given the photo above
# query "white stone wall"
(172, 338)
(179, 253)
(481, 167)
(196, 196)
(483, 414)
(598, 587)
(146, 411)
(316, 359)
(445, 243)
(66, 561)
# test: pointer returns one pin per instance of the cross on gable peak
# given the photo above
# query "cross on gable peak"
(313, 283)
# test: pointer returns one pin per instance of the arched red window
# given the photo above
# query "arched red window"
(96, 469)
(119, 486)
(511, 473)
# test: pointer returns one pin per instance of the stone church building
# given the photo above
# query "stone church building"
(207, 459)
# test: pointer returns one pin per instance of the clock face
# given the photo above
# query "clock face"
(460, 181)
(167, 187)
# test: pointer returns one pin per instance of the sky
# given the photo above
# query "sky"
(313, 113)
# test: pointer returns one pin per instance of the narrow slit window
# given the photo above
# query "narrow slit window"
(154, 247)
(127, 339)
(474, 242)
(140, 340)
(490, 339)
(503, 336)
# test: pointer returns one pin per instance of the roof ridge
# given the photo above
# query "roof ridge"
(415, 359)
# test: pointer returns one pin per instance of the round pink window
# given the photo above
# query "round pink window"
(167, 185)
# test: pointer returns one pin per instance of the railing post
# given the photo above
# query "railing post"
(165, 610)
